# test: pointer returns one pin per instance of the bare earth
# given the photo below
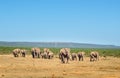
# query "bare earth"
(28, 67)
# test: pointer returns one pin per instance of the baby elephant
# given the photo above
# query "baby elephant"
(23, 52)
(50, 55)
(74, 56)
(81, 56)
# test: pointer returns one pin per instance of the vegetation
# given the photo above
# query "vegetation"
(103, 52)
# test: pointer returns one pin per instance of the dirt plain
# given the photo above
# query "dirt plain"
(28, 67)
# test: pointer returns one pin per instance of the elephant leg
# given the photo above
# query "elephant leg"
(67, 59)
(45, 56)
(62, 59)
(79, 58)
(38, 55)
(98, 58)
(49, 56)
(91, 58)
(59, 56)
(14, 54)
(75, 58)
(23, 54)
(33, 54)
(82, 58)
(94, 59)
(17, 55)
(42, 56)
(72, 58)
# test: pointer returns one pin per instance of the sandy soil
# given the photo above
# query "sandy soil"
(20, 67)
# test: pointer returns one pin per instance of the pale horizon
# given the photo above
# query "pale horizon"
(57, 42)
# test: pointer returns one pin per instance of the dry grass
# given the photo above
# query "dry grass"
(11, 67)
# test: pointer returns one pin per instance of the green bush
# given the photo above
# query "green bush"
(102, 52)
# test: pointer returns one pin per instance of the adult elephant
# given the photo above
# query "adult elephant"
(94, 56)
(16, 52)
(74, 56)
(64, 55)
(81, 56)
(35, 52)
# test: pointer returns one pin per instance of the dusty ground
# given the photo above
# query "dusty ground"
(11, 67)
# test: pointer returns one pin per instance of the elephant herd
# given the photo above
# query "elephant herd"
(64, 54)
(19, 52)
(35, 52)
(46, 54)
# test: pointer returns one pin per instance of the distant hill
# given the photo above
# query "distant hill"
(55, 45)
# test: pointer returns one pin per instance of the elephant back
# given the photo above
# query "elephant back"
(16, 50)
(65, 51)
(46, 50)
(81, 53)
(37, 50)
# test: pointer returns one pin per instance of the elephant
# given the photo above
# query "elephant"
(81, 56)
(46, 50)
(44, 55)
(64, 54)
(23, 52)
(16, 52)
(35, 52)
(94, 56)
(74, 56)
(50, 55)
(47, 54)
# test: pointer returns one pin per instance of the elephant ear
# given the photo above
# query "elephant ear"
(61, 50)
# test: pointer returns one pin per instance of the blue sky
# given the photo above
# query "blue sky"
(82, 21)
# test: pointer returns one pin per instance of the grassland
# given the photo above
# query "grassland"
(11, 67)
(102, 51)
